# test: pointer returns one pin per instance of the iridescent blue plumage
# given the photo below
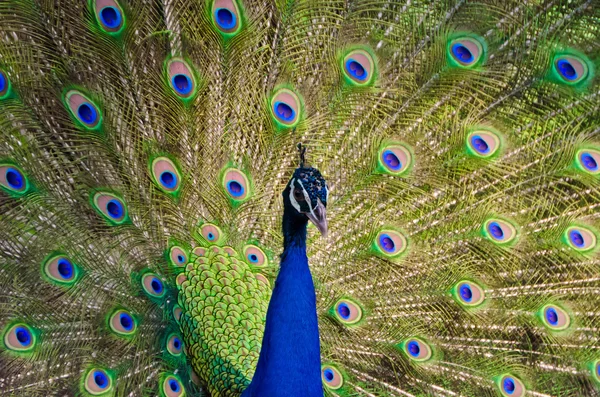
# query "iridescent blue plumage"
(291, 347)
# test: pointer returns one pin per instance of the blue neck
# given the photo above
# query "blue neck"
(290, 362)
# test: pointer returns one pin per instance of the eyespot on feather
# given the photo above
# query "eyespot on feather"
(122, 323)
(4, 85)
(554, 317)
(466, 51)
(347, 312)
(111, 207)
(588, 160)
(181, 78)
(178, 256)
(571, 69)
(395, 159)
(13, 180)
(83, 110)
(358, 67)
(467, 293)
(226, 16)
(19, 337)
(61, 270)
(98, 381)
(580, 238)
(211, 232)
(109, 15)
(172, 387)
(483, 143)
(174, 345)
(153, 285)
(332, 377)
(510, 386)
(286, 107)
(417, 350)
(236, 184)
(255, 256)
(595, 369)
(390, 243)
(500, 231)
(165, 175)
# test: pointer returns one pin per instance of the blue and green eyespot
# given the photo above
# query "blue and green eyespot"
(255, 256)
(122, 323)
(332, 378)
(59, 269)
(165, 175)
(181, 78)
(20, 338)
(111, 207)
(98, 381)
(554, 317)
(109, 16)
(510, 386)
(595, 370)
(466, 51)
(236, 185)
(347, 312)
(286, 107)
(358, 66)
(171, 386)
(588, 161)
(468, 293)
(500, 231)
(416, 349)
(484, 142)
(83, 110)
(153, 285)
(210, 232)
(13, 180)
(174, 345)
(394, 159)
(5, 86)
(227, 17)
(178, 256)
(580, 238)
(572, 68)
(390, 243)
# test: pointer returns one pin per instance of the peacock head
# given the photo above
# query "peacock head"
(306, 196)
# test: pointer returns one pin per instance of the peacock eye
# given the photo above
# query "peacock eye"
(299, 195)
(555, 318)
(98, 381)
(417, 350)
(174, 345)
(510, 386)
(19, 337)
(331, 376)
(172, 387)
(122, 323)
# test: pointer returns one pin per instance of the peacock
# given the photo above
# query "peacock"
(285, 198)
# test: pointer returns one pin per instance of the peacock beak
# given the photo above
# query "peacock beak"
(318, 216)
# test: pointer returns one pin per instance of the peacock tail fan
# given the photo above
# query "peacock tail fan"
(145, 145)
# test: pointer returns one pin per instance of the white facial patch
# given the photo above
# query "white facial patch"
(293, 199)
